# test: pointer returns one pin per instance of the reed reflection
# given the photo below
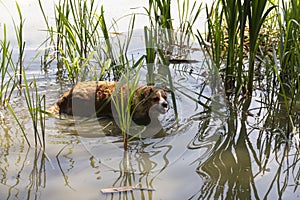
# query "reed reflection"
(250, 155)
(139, 168)
(23, 173)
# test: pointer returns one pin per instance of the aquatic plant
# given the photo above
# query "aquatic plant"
(76, 31)
(166, 44)
(8, 69)
(21, 42)
(289, 52)
(229, 24)
(257, 13)
(122, 100)
(36, 105)
(159, 12)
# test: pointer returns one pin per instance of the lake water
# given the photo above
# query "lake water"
(214, 151)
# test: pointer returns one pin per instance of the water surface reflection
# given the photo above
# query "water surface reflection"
(249, 162)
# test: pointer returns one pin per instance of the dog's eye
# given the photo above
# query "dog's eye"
(156, 98)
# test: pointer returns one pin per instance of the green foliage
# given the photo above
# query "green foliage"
(257, 14)
(8, 69)
(123, 100)
(289, 51)
(76, 34)
(36, 105)
(232, 26)
(21, 42)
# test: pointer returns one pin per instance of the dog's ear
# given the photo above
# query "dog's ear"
(146, 92)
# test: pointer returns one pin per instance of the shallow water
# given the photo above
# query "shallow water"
(213, 152)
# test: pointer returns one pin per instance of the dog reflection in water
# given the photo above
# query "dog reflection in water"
(92, 98)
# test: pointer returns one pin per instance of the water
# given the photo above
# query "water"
(213, 152)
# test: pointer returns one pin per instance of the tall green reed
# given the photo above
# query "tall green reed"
(187, 18)
(289, 51)
(21, 42)
(163, 43)
(239, 20)
(159, 12)
(257, 13)
(215, 35)
(12, 72)
(82, 36)
(36, 106)
(122, 100)
(77, 34)
(8, 69)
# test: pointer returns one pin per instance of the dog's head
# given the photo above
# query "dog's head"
(149, 97)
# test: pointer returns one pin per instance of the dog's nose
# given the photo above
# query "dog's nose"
(165, 104)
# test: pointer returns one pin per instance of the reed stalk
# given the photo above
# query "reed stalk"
(77, 34)
(257, 14)
(289, 51)
(8, 70)
(122, 100)
(150, 43)
(237, 20)
(21, 42)
(35, 105)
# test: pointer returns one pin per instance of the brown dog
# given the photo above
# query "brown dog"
(94, 98)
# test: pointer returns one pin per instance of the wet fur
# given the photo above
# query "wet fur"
(86, 94)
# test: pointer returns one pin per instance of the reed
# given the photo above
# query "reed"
(188, 16)
(163, 43)
(150, 43)
(82, 36)
(215, 35)
(232, 26)
(12, 74)
(75, 35)
(122, 100)
(289, 51)
(8, 69)
(159, 12)
(36, 104)
(257, 14)
(21, 42)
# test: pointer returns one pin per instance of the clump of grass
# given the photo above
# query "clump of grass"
(188, 16)
(117, 48)
(257, 12)
(76, 34)
(289, 51)
(122, 102)
(215, 35)
(36, 105)
(7, 69)
(163, 43)
(159, 12)
(229, 24)
(82, 37)
(12, 73)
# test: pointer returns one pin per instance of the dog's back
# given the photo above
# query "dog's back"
(85, 99)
